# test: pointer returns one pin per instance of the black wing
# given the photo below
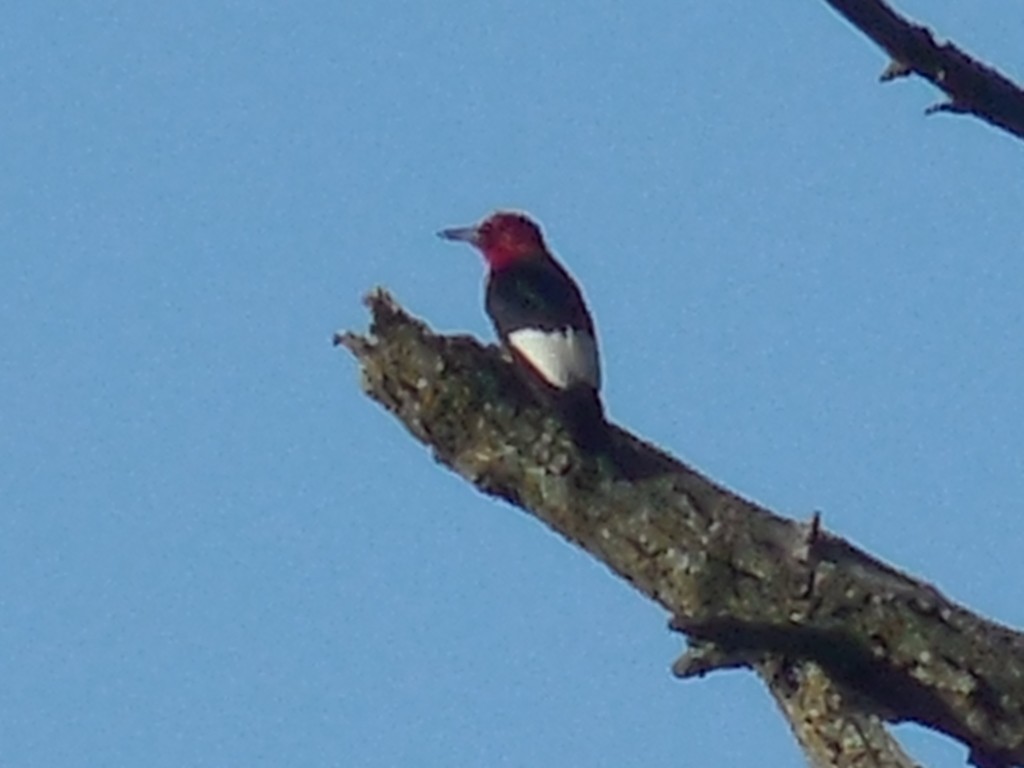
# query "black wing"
(536, 294)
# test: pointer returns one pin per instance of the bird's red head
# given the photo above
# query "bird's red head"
(504, 238)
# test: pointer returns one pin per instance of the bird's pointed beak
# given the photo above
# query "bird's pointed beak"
(461, 234)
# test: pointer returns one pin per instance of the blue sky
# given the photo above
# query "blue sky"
(216, 551)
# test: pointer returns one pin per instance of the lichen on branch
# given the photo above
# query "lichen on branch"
(807, 610)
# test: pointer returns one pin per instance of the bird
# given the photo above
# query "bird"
(540, 316)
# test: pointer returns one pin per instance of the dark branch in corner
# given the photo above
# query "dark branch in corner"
(843, 641)
(971, 87)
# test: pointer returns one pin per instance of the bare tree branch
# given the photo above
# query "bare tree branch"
(843, 641)
(971, 87)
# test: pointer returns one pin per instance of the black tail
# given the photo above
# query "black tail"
(583, 414)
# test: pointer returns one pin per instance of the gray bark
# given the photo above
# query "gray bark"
(843, 641)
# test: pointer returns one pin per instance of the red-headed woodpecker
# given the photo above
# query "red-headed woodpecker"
(540, 316)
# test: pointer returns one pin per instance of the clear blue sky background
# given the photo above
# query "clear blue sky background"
(215, 551)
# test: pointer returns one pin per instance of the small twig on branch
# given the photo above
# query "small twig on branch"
(866, 643)
(970, 86)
